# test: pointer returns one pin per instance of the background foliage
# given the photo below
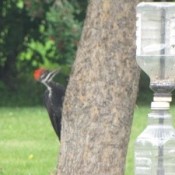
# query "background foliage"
(36, 33)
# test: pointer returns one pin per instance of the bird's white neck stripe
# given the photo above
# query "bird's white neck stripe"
(49, 89)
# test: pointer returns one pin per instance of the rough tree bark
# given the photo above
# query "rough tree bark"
(101, 93)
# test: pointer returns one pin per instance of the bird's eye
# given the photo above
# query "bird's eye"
(42, 76)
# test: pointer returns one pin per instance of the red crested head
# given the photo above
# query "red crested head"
(44, 76)
(37, 73)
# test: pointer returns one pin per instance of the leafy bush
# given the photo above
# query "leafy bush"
(36, 33)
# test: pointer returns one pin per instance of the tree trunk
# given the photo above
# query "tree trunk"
(101, 93)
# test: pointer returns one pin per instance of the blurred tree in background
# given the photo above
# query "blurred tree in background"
(36, 33)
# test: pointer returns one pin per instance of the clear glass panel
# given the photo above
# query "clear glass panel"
(156, 43)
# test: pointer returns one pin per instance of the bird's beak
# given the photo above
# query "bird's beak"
(53, 73)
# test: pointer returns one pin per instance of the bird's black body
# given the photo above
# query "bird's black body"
(53, 97)
(53, 100)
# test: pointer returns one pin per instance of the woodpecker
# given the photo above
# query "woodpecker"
(53, 97)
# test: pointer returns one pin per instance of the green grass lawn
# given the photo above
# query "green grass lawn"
(28, 145)
(139, 123)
